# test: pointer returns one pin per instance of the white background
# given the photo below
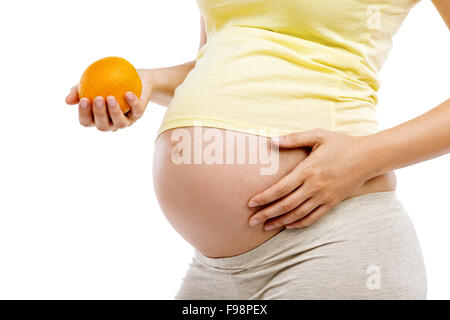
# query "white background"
(78, 217)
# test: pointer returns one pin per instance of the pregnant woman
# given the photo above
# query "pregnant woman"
(269, 161)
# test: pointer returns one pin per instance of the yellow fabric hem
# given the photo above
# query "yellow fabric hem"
(245, 128)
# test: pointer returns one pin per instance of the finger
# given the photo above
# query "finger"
(283, 187)
(295, 215)
(300, 139)
(118, 118)
(287, 204)
(311, 218)
(85, 113)
(73, 98)
(101, 117)
(137, 106)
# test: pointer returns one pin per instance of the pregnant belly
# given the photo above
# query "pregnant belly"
(203, 187)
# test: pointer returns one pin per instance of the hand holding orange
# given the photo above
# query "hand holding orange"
(111, 76)
(112, 94)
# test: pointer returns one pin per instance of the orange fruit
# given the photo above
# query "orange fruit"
(111, 76)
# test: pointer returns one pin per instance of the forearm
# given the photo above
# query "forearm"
(443, 6)
(420, 139)
(164, 81)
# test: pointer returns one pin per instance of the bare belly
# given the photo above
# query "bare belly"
(205, 199)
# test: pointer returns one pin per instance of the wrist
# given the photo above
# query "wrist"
(373, 154)
(151, 79)
(156, 81)
(163, 81)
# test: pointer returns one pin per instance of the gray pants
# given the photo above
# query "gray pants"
(364, 248)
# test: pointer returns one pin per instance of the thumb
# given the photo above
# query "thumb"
(73, 98)
(308, 138)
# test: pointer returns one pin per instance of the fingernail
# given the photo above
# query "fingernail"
(130, 96)
(83, 104)
(111, 102)
(98, 103)
(290, 227)
(270, 227)
(252, 204)
(254, 222)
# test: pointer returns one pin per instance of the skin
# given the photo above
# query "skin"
(322, 180)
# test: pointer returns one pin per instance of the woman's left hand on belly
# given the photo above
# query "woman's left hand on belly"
(333, 171)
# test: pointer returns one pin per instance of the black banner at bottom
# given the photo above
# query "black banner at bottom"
(258, 309)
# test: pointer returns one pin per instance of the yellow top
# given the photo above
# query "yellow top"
(273, 67)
